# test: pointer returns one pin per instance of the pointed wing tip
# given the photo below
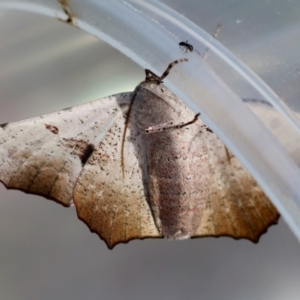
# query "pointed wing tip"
(111, 245)
(70, 204)
(254, 239)
(257, 238)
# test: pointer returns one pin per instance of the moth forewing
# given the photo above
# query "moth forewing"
(177, 180)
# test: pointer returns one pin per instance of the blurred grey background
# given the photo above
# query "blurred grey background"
(47, 253)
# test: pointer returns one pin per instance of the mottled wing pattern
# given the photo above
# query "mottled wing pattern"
(76, 153)
(236, 206)
(114, 205)
(45, 155)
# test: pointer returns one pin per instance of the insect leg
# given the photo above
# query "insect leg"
(171, 125)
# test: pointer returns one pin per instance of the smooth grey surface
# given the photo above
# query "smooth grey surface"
(262, 34)
(47, 253)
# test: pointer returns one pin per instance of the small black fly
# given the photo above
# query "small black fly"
(186, 46)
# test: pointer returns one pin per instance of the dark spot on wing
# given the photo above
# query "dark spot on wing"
(80, 148)
(3, 125)
(52, 128)
(86, 153)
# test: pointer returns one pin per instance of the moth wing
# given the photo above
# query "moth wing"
(236, 205)
(113, 204)
(44, 155)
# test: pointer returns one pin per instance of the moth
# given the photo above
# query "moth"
(136, 165)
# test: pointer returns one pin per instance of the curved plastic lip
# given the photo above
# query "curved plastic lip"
(149, 32)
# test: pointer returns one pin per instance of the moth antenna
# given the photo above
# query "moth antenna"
(124, 134)
(150, 76)
(170, 66)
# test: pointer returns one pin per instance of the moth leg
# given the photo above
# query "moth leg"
(170, 125)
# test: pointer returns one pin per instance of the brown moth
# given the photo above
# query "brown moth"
(136, 165)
